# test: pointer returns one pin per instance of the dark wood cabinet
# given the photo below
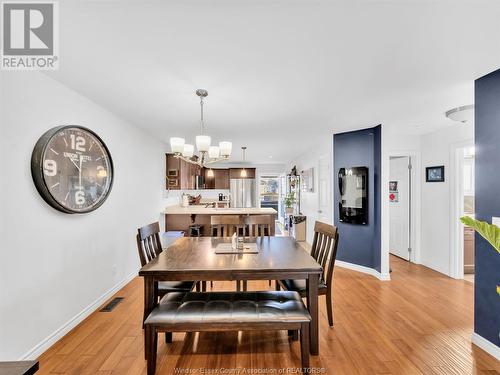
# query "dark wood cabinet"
(181, 175)
(236, 172)
(221, 178)
(209, 180)
(172, 172)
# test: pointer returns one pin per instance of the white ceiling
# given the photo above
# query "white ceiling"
(281, 74)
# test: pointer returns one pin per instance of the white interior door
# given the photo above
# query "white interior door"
(399, 207)
(324, 191)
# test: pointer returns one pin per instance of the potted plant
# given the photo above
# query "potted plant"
(489, 232)
(289, 201)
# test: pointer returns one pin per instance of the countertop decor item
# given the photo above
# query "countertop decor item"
(72, 169)
(489, 232)
(207, 154)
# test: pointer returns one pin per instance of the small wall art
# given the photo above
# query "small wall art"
(434, 174)
(308, 180)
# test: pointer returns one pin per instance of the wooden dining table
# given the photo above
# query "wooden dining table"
(199, 259)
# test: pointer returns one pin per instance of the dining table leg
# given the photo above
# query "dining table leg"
(312, 306)
(149, 300)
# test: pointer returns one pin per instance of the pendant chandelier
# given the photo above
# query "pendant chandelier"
(207, 154)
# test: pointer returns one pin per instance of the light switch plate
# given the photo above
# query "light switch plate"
(495, 221)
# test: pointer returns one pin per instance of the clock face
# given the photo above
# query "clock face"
(72, 169)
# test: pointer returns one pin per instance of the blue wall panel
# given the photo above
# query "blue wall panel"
(487, 192)
(360, 244)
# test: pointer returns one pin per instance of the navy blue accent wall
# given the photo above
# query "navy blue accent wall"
(360, 244)
(487, 192)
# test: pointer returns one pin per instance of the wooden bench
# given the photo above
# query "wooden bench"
(227, 311)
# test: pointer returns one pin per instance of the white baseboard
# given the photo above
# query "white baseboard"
(486, 345)
(73, 322)
(363, 269)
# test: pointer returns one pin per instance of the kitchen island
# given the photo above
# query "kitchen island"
(179, 218)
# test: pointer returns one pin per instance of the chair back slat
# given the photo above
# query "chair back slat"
(259, 225)
(314, 246)
(324, 249)
(148, 242)
(331, 265)
(225, 225)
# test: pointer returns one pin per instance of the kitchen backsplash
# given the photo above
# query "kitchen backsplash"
(173, 197)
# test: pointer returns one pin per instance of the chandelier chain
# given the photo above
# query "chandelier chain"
(202, 125)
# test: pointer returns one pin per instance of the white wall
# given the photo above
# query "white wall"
(438, 198)
(309, 203)
(54, 266)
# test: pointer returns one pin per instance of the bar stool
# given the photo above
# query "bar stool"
(195, 230)
(226, 225)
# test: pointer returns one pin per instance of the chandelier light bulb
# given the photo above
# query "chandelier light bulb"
(188, 151)
(203, 143)
(225, 148)
(213, 152)
(177, 145)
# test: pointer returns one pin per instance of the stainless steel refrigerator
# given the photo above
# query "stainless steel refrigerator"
(243, 193)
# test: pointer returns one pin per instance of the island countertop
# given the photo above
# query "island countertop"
(202, 210)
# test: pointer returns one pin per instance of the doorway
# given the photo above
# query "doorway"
(465, 207)
(269, 195)
(400, 207)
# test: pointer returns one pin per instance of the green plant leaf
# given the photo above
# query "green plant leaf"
(489, 232)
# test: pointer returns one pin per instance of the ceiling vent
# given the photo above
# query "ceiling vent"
(464, 114)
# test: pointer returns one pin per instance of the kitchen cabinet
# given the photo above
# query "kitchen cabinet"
(468, 250)
(236, 172)
(181, 175)
(220, 179)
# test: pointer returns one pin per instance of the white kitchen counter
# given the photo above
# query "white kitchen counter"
(201, 210)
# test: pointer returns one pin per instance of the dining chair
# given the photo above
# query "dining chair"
(324, 251)
(149, 247)
(258, 225)
(226, 225)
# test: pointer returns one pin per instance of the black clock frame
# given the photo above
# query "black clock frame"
(37, 169)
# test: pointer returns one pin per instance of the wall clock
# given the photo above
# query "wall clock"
(72, 169)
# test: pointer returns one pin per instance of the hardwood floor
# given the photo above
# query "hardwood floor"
(418, 323)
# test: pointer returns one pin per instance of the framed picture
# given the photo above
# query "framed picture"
(308, 180)
(393, 186)
(434, 174)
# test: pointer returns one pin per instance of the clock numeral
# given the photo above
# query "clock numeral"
(77, 143)
(49, 167)
(80, 197)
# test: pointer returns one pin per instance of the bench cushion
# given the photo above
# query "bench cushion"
(229, 307)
